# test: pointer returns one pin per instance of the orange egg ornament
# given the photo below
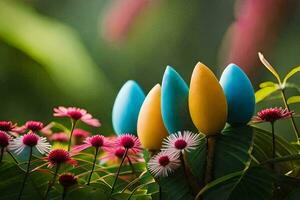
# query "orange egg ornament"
(150, 127)
(207, 102)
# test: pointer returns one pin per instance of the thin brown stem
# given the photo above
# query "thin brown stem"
(211, 143)
(296, 131)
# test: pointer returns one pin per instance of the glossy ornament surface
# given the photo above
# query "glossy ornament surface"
(239, 94)
(207, 102)
(127, 107)
(150, 126)
(174, 102)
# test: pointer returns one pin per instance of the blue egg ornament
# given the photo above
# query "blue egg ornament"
(239, 94)
(126, 108)
(174, 102)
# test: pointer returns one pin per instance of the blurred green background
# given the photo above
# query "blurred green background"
(79, 52)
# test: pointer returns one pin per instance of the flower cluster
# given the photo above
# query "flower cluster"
(173, 149)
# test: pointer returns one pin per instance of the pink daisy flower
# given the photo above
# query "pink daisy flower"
(58, 157)
(163, 164)
(67, 180)
(34, 126)
(97, 141)
(181, 142)
(4, 140)
(116, 155)
(272, 115)
(7, 126)
(76, 114)
(30, 140)
(130, 142)
(59, 137)
(80, 133)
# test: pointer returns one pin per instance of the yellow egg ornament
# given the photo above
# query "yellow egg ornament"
(150, 127)
(207, 102)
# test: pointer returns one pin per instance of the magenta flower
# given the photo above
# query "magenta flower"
(181, 142)
(272, 115)
(67, 180)
(80, 133)
(76, 114)
(7, 126)
(59, 137)
(130, 142)
(97, 141)
(58, 157)
(4, 140)
(34, 126)
(116, 155)
(163, 164)
(31, 140)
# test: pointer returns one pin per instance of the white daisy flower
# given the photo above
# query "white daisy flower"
(30, 140)
(181, 142)
(162, 164)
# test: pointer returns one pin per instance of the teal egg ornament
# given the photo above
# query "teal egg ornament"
(127, 107)
(174, 102)
(239, 94)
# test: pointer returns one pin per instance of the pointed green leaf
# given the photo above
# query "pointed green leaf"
(293, 99)
(291, 73)
(269, 67)
(267, 84)
(262, 93)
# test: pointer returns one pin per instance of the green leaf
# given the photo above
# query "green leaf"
(269, 67)
(262, 150)
(92, 192)
(291, 73)
(54, 45)
(293, 99)
(253, 183)
(267, 84)
(262, 93)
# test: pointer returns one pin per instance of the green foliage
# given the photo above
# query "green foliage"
(293, 99)
(54, 45)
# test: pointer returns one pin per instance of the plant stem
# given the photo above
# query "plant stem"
(71, 132)
(187, 174)
(51, 183)
(273, 144)
(12, 156)
(296, 131)
(95, 158)
(64, 193)
(118, 172)
(131, 165)
(26, 174)
(1, 154)
(211, 143)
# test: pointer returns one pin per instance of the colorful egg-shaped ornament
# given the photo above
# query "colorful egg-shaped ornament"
(150, 127)
(127, 107)
(174, 102)
(207, 101)
(239, 94)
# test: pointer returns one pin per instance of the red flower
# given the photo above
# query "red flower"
(76, 114)
(130, 142)
(272, 114)
(58, 157)
(116, 155)
(34, 126)
(7, 126)
(97, 141)
(4, 139)
(67, 180)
